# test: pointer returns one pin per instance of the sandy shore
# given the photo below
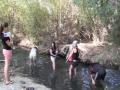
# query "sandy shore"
(21, 83)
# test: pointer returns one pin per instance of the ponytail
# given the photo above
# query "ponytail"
(1, 30)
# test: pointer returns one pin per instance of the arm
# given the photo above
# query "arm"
(68, 52)
(9, 43)
(96, 75)
(94, 79)
(69, 55)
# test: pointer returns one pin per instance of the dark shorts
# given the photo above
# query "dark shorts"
(101, 76)
(74, 63)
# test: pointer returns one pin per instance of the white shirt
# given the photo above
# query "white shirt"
(32, 52)
(7, 34)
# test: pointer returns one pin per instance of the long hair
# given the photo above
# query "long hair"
(5, 24)
(54, 45)
(1, 28)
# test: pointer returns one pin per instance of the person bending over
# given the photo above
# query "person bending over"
(97, 73)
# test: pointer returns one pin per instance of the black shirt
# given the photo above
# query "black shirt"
(75, 56)
(4, 44)
(97, 68)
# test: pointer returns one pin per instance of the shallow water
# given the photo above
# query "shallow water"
(59, 81)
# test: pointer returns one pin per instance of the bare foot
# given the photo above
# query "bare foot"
(9, 82)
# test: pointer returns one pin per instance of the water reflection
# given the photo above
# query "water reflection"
(85, 79)
(112, 80)
(53, 78)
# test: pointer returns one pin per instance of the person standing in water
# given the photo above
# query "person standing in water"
(53, 54)
(7, 51)
(73, 59)
(33, 55)
(97, 73)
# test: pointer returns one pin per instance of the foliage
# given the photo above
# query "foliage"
(46, 20)
(115, 34)
(95, 15)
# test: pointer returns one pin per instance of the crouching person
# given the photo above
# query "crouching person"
(97, 73)
(32, 59)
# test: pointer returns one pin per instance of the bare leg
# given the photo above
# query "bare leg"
(75, 71)
(33, 62)
(70, 71)
(6, 71)
(30, 67)
(33, 66)
(53, 65)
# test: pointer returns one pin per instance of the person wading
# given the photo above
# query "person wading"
(53, 53)
(97, 73)
(73, 59)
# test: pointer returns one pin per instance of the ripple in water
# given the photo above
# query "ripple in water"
(85, 79)
(112, 80)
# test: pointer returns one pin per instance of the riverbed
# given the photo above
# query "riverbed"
(43, 74)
